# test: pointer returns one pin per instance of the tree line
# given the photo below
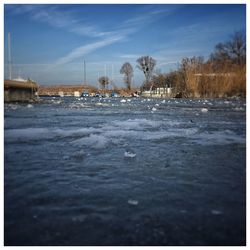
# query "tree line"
(222, 74)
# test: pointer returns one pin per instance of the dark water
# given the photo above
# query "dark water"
(125, 172)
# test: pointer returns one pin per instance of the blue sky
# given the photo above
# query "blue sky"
(50, 42)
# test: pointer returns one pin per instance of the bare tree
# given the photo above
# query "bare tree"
(104, 81)
(232, 51)
(146, 64)
(237, 47)
(128, 71)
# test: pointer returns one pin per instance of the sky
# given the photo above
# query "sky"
(50, 42)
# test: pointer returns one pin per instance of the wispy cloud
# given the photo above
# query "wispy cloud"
(59, 18)
(130, 56)
(122, 31)
(147, 15)
(86, 49)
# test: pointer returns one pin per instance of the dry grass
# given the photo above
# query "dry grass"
(201, 79)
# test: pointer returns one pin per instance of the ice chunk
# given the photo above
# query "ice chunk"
(216, 212)
(154, 109)
(29, 106)
(94, 141)
(14, 107)
(238, 109)
(204, 110)
(183, 211)
(129, 154)
(123, 100)
(133, 202)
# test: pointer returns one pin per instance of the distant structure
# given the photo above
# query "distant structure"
(158, 93)
(65, 90)
(19, 89)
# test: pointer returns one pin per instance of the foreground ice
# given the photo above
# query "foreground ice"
(98, 171)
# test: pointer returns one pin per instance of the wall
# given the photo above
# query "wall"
(15, 91)
(18, 95)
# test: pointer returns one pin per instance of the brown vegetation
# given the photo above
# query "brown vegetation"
(70, 89)
(224, 74)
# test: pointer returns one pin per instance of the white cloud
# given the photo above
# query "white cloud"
(86, 49)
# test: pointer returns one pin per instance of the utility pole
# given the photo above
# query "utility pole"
(9, 52)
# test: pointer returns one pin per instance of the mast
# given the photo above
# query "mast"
(98, 84)
(112, 80)
(9, 53)
(84, 69)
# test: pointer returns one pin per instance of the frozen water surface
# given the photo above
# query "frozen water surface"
(92, 171)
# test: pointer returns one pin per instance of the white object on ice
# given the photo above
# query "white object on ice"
(129, 154)
(154, 109)
(204, 110)
(133, 202)
(29, 106)
(123, 100)
(216, 212)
